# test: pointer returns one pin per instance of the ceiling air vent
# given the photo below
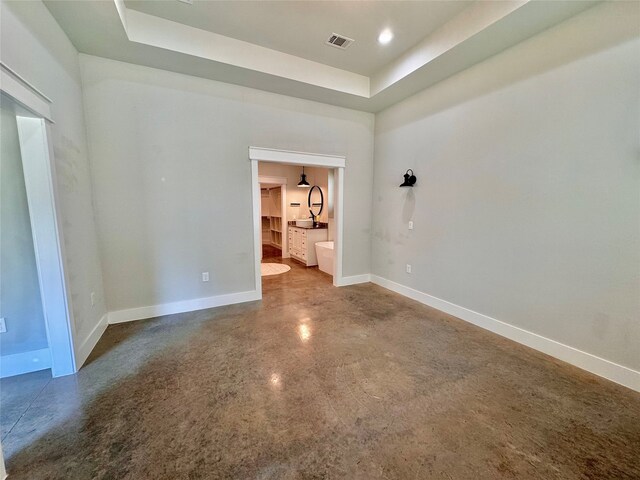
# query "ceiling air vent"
(339, 41)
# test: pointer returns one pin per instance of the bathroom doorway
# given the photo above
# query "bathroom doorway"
(310, 216)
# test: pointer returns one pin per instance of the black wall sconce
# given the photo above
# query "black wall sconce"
(409, 179)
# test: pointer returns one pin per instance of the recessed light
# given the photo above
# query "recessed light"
(385, 36)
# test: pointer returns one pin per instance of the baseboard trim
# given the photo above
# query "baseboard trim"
(353, 280)
(586, 361)
(89, 343)
(25, 362)
(151, 311)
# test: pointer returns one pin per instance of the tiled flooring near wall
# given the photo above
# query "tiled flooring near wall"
(318, 382)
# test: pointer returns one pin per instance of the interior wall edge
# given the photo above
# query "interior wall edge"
(584, 360)
(90, 166)
(90, 341)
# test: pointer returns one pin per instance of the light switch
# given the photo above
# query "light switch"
(410, 225)
(205, 276)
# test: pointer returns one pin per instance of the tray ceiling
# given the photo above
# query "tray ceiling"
(279, 46)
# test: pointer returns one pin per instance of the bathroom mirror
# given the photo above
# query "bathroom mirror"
(315, 201)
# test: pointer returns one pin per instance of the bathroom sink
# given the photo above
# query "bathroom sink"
(304, 222)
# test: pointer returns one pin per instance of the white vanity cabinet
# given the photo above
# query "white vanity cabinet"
(302, 243)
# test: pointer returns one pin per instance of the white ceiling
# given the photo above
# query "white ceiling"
(279, 46)
(301, 28)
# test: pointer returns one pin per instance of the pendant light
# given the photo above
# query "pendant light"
(303, 180)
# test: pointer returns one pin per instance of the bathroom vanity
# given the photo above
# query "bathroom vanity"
(302, 242)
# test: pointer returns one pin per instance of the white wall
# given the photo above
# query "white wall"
(20, 301)
(172, 177)
(36, 48)
(527, 203)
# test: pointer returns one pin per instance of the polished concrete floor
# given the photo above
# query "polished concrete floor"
(318, 382)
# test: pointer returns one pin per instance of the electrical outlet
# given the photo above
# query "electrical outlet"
(408, 268)
(93, 299)
(205, 276)
(410, 225)
(3, 326)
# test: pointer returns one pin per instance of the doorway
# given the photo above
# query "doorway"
(335, 166)
(273, 216)
(23, 344)
(28, 110)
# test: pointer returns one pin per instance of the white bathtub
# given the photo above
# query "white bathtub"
(324, 252)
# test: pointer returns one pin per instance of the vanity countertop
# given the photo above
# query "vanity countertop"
(319, 226)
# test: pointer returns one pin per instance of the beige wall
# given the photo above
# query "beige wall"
(172, 177)
(527, 203)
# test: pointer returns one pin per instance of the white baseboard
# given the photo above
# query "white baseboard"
(599, 366)
(151, 311)
(353, 279)
(89, 343)
(25, 362)
(141, 313)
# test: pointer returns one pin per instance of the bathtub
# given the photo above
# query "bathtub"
(324, 253)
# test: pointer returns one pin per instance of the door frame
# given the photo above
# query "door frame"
(287, 157)
(34, 120)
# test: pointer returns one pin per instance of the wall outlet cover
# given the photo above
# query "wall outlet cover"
(205, 276)
(410, 225)
(408, 268)
(3, 326)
